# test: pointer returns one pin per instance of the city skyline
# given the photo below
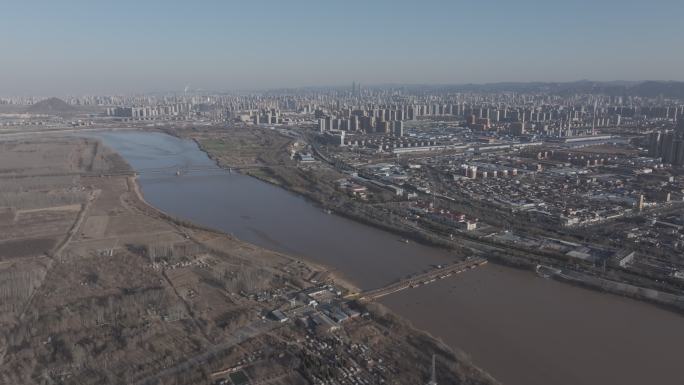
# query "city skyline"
(233, 192)
(128, 47)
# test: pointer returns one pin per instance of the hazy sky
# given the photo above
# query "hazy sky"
(73, 46)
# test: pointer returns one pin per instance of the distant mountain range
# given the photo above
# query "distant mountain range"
(653, 89)
(51, 106)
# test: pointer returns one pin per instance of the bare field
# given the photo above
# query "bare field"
(111, 291)
(95, 226)
(7, 215)
(607, 149)
(37, 224)
(25, 247)
(18, 281)
(25, 158)
(241, 146)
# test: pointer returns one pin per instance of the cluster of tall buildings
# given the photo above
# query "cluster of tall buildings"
(145, 112)
(383, 121)
(554, 118)
(385, 110)
(668, 145)
(266, 116)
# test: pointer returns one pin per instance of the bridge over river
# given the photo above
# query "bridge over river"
(426, 278)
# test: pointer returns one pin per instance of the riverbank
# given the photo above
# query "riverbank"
(455, 359)
(184, 224)
(666, 301)
(354, 213)
(125, 292)
(497, 253)
(523, 329)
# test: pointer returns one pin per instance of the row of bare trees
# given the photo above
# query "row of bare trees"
(171, 252)
(247, 279)
(20, 185)
(16, 286)
(35, 200)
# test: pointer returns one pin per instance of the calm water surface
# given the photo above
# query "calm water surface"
(523, 329)
(263, 214)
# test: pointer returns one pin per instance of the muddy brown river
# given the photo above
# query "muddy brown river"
(523, 329)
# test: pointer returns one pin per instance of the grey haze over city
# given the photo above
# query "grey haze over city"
(82, 47)
(348, 192)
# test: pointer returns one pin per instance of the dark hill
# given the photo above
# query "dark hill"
(651, 89)
(50, 106)
(654, 89)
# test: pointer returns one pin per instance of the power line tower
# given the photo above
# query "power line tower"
(433, 376)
